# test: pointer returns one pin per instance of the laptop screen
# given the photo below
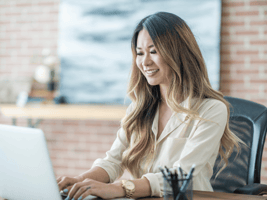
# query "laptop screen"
(26, 171)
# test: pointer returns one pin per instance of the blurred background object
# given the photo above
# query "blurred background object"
(10, 87)
(46, 78)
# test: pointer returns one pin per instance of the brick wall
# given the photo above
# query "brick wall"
(28, 26)
(244, 49)
(244, 53)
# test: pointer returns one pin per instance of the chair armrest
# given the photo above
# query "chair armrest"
(253, 189)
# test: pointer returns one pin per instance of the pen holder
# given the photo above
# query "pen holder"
(173, 193)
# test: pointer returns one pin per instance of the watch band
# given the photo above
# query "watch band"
(129, 192)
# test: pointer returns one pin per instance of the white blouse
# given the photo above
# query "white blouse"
(178, 144)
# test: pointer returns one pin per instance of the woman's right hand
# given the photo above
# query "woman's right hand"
(65, 182)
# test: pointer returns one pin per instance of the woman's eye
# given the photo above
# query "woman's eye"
(139, 54)
(153, 52)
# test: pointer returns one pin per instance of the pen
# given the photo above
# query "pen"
(186, 182)
(176, 188)
(169, 176)
(180, 171)
(164, 175)
(162, 171)
(167, 169)
(177, 180)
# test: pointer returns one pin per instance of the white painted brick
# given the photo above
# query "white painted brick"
(247, 81)
(261, 32)
(247, 62)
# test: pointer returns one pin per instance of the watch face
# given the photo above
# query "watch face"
(129, 185)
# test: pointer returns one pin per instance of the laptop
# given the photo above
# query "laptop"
(26, 171)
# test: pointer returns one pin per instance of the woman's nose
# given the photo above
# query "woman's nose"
(147, 60)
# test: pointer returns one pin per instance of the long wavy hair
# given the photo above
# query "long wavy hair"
(176, 43)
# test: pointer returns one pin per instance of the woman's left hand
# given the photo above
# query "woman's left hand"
(91, 187)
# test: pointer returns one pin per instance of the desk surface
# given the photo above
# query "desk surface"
(67, 111)
(200, 195)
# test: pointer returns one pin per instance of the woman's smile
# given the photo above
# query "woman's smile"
(151, 72)
(150, 62)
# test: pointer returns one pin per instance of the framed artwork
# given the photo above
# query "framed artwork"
(95, 43)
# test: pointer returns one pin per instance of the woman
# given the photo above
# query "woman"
(175, 118)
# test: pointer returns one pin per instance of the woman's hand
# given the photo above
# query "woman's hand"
(66, 183)
(80, 190)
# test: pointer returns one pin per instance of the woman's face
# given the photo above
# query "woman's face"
(150, 62)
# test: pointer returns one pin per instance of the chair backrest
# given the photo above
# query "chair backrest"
(248, 120)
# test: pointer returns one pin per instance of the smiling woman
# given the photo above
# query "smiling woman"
(151, 64)
(175, 119)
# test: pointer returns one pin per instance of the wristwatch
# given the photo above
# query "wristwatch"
(128, 187)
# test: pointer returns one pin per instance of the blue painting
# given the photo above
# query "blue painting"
(95, 43)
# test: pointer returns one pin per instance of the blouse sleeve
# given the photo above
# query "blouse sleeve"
(113, 160)
(202, 142)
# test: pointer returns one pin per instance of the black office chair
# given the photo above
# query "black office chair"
(248, 120)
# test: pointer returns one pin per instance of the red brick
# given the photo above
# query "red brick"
(263, 178)
(70, 123)
(60, 166)
(232, 4)
(226, 14)
(12, 13)
(23, 4)
(247, 91)
(232, 81)
(258, 23)
(225, 33)
(33, 13)
(230, 62)
(234, 23)
(247, 52)
(247, 32)
(247, 13)
(13, 30)
(247, 71)
(258, 81)
(224, 91)
(55, 12)
(4, 5)
(4, 22)
(46, 3)
(258, 42)
(225, 52)
(258, 3)
(258, 61)
(231, 43)
(260, 101)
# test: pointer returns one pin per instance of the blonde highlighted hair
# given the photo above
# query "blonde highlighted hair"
(176, 43)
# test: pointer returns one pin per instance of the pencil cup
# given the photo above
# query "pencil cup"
(177, 192)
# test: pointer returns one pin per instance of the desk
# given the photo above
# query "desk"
(66, 111)
(200, 195)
